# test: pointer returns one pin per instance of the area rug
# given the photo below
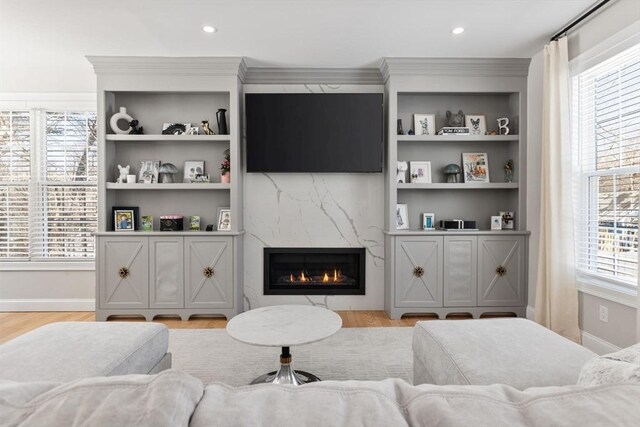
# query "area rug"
(351, 354)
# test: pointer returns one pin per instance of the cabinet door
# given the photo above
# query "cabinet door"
(208, 272)
(166, 272)
(124, 272)
(460, 271)
(418, 275)
(501, 271)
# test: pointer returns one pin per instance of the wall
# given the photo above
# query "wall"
(620, 331)
(321, 210)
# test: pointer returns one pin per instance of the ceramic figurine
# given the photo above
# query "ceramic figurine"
(166, 172)
(452, 171)
(222, 121)
(455, 120)
(508, 171)
(206, 130)
(124, 171)
(400, 130)
(134, 129)
(120, 115)
(410, 132)
(402, 172)
(503, 126)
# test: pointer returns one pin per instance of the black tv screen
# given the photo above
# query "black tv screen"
(314, 132)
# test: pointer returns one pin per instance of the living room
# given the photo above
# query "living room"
(418, 205)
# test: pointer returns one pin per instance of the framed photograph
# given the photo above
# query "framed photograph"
(125, 218)
(508, 219)
(224, 219)
(496, 222)
(402, 217)
(148, 172)
(147, 223)
(194, 223)
(475, 167)
(477, 124)
(193, 168)
(424, 124)
(192, 130)
(428, 221)
(420, 172)
(176, 128)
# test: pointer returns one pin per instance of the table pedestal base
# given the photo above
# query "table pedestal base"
(286, 374)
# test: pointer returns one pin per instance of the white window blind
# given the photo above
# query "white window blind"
(48, 185)
(606, 133)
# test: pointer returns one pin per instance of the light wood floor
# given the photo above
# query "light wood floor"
(15, 324)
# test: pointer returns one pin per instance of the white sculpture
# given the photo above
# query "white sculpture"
(402, 172)
(124, 171)
(121, 115)
(503, 126)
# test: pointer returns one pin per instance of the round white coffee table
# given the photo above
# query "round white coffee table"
(284, 326)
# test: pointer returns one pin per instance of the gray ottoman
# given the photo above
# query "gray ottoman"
(67, 351)
(516, 352)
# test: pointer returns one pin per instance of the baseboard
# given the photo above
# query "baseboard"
(531, 312)
(597, 345)
(74, 304)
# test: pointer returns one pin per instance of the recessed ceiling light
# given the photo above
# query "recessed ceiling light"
(458, 30)
(209, 29)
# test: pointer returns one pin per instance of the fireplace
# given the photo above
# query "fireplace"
(314, 271)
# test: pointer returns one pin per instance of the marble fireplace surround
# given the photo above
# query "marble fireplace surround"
(314, 210)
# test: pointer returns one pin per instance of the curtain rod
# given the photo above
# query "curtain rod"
(579, 20)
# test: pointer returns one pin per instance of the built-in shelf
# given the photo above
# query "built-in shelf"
(418, 232)
(172, 186)
(156, 138)
(458, 138)
(168, 233)
(460, 186)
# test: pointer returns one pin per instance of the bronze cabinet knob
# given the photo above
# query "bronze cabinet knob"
(207, 272)
(123, 272)
(501, 271)
(418, 271)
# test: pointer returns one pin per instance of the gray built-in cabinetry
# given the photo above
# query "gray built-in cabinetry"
(444, 272)
(181, 273)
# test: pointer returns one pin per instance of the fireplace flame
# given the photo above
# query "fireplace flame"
(291, 278)
(303, 278)
(335, 275)
(325, 278)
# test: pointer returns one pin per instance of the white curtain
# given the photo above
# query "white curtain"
(556, 304)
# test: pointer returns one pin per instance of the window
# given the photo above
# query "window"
(606, 134)
(48, 185)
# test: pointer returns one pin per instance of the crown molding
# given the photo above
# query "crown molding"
(502, 67)
(159, 65)
(303, 75)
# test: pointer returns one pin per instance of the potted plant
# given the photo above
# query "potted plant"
(225, 168)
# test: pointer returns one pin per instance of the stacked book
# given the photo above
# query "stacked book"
(454, 131)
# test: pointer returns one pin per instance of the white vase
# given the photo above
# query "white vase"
(121, 115)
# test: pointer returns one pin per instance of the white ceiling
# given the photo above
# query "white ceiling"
(43, 43)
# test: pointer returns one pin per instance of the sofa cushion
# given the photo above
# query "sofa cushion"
(513, 351)
(167, 399)
(620, 367)
(67, 351)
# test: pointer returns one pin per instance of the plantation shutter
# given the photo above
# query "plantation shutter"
(15, 174)
(606, 126)
(66, 191)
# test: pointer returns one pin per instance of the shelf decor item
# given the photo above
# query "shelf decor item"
(420, 172)
(175, 128)
(171, 222)
(192, 168)
(125, 218)
(454, 131)
(167, 172)
(508, 218)
(428, 221)
(503, 126)
(131, 179)
(476, 167)
(149, 171)
(194, 223)
(224, 219)
(457, 224)
(402, 172)
(508, 171)
(225, 168)
(147, 223)
(402, 217)
(120, 115)
(135, 130)
(222, 121)
(496, 222)
(424, 124)
(124, 171)
(477, 123)
(206, 130)
(400, 130)
(455, 120)
(452, 171)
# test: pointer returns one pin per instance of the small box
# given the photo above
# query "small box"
(457, 224)
(171, 223)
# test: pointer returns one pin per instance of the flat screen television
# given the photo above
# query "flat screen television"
(295, 132)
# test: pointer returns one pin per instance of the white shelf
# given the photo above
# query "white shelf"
(172, 186)
(414, 232)
(156, 138)
(169, 233)
(457, 138)
(460, 186)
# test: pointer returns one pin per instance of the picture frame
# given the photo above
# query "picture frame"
(475, 167)
(477, 124)
(175, 128)
(402, 216)
(193, 168)
(202, 178)
(125, 218)
(194, 223)
(147, 223)
(424, 124)
(508, 219)
(224, 219)
(420, 172)
(428, 221)
(496, 222)
(148, 172)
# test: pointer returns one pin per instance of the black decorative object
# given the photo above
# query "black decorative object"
(209, 227)
(222, 121)
(400, 130)
(171, 223)
(455, 120)
(458, 224)
(410, 132)
(135, 130)
(175, 129)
